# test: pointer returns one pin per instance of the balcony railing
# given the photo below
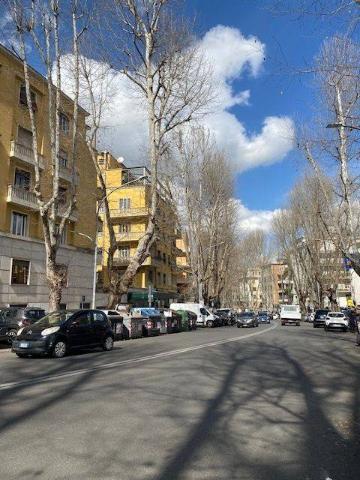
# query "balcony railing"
(74, 216)
(121, 261)
(66, 174)
(126, 212)
(129, 236)
(25, 154)
(21, 196)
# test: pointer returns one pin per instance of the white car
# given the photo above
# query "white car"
(336, 320)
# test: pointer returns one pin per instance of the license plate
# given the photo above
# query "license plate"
(24, 344)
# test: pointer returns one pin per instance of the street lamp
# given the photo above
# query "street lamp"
(341, 125)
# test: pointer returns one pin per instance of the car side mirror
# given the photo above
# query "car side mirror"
(75, 324)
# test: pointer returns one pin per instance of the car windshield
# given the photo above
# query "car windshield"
(262, 314)
(322, 312)
(247, 314)
(54, 319)
(336, 315)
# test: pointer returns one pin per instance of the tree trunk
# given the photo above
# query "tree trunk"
(56, 275)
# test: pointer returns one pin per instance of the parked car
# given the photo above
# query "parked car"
(227, 315)
(290, 314)
(247, 319)
(337, 320)
(263, 317)
(13, 318)
(60, 332)
(319, 318)
(204, 317)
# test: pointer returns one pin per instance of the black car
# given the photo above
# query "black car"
(247, 319)
(59, 332)
(13, 318)
(263, 317)
(319, 318)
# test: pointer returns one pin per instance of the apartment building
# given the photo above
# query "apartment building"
(22, 255)
(184, 277)
(277, 287)
(128, 193)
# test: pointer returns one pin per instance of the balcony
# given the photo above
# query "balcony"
(121, 261)
(25, 154)
(119, 213)
(21, 196)
(74, 217)
(66, 174)
(129, 236)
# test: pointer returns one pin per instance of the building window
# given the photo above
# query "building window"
(64, 123)
(164, 257)
(25, 137)
(164, 278)
(63, 159)
(23, 98)
(20, 272)
(124, 252)
(19, 224)
(22, 179)
(151, 276)
(62, 196)
(124, 228)
(124, 203)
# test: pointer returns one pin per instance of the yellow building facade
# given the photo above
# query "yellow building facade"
(128, 193)
(22, 267)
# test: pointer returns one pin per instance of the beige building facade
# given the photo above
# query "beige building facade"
(22, 255)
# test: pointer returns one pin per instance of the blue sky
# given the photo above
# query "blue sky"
(256, 55)
(291, 44)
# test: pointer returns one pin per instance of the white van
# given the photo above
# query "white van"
(290, 314)
(204, 317)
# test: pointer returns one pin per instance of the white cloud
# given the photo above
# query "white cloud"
(232, 56)
(250, 220)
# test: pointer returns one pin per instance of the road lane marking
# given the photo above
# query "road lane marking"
(131, 361)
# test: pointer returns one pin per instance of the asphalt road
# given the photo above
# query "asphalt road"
(270, 403)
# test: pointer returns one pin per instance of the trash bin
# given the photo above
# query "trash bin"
(153, 318)
(173, 320)
(185, 323)
(133, 327)
(117, 326)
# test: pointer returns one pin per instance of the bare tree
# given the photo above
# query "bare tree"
(158, 55)
(204, 187)
(42, 24)
(338, 74)
(313, 259)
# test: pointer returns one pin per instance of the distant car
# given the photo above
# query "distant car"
(227, 314)
(13, 318)
(246, 319)
(290, 314)
(60, 332)
(264, 317)
(336, 320)
(319, 318)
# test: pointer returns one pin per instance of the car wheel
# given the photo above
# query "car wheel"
(108, 344)
(298, 324)
(345, 329)
(59, 349)
(358, 339)
(11, 336)
(209, 323)
(314, 325)
(21, 355)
